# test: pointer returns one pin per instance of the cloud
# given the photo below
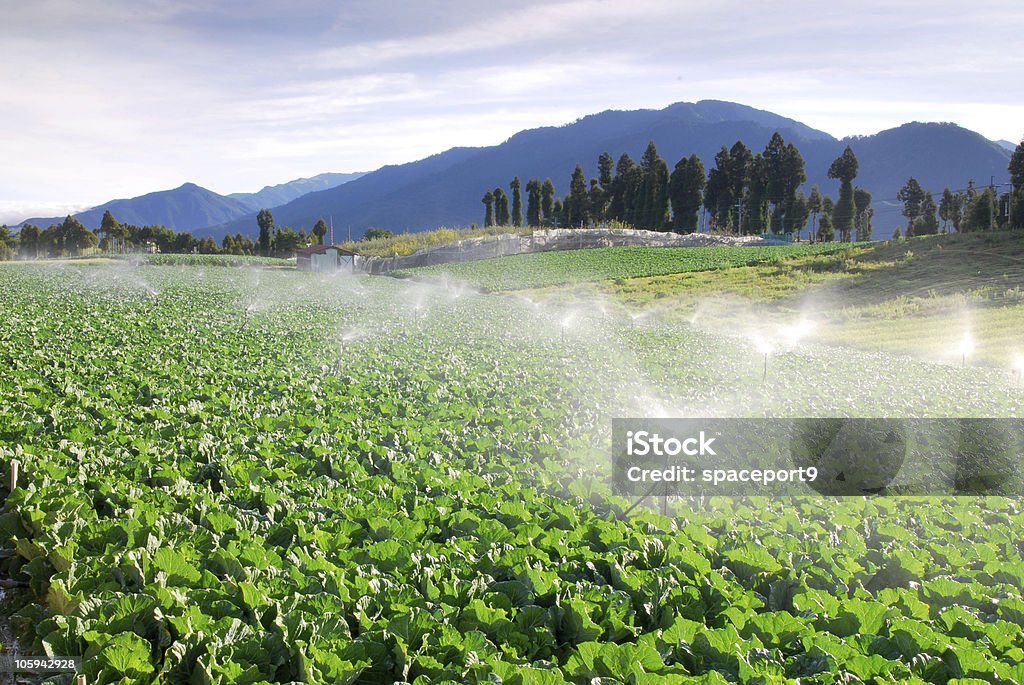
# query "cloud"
(114, 98)
(13, 212)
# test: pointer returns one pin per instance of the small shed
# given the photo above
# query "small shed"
(325, 258)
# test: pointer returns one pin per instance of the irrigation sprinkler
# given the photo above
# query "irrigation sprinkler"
(764, 348)
(966, 348)
(1018, 369)
(248, 316)
(566, 322)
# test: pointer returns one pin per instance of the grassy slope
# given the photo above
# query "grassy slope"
(918, 297)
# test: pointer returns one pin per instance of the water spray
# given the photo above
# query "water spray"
(567, 321)
(764, 348)
(966, 348)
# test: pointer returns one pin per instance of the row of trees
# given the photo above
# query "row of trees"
(743, 193)
(747, 193)
(72, 238)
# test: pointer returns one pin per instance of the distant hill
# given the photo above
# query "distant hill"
(446, 189)
(272, 196)
(1007, 144)
(190, 207)
(184, 208)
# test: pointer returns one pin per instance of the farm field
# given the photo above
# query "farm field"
(542, 269)
(919, 297)
(246, 475)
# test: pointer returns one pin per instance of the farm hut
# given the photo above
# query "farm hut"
(325, 258)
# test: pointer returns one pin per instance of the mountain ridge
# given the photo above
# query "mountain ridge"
(445, 189)
(191, 207)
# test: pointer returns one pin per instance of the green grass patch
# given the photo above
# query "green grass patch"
(545, 269)
(209, 260)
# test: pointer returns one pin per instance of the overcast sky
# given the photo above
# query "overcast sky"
(105, 99)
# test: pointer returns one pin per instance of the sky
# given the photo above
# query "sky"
(105, 99)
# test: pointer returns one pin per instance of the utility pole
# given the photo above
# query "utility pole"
(332, 229)
(993, 204)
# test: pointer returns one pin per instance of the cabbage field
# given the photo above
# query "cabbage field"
(542, 269)
(246, 475)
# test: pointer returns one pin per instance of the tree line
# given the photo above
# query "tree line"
(72, 238)
(745, 193)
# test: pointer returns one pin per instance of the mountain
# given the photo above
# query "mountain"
(190, 207)
(1007, 144)
(446, 189)
(184, 208)
(937, 155)
(272, 196)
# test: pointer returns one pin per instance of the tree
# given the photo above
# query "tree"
(597, 201)
(951, 209)
(825, 231)
(287, 241)
(814, 207)
(784, 168)
(738, 176)
(489, 204)
(319, 231)
(756, 217)
(547, 201)
(183, 243)
(980, 211)
(265, 242)
(657, 196)
(617, 199)
(377, 234)
(652, 200)
(577, 211)
(912, 197)
(28, 241)
(686, 186)
(74, 237)
(517, 202)
(533, 202)
(632, 195)
(797, 214)
(863, 213)
(8, 244)
(927, 224)
(717, 196)
(727, 185)
(1016, 170)
(110, 228)
(501, 213)
(605, 166)
(844, 168)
